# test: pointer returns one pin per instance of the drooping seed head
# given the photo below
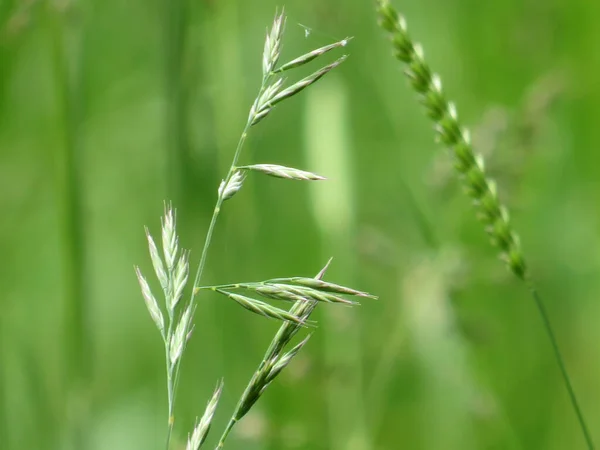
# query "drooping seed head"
(289, 173)
(263, 309)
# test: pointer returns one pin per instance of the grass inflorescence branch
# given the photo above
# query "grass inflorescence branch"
(174, 319)
(470, 169)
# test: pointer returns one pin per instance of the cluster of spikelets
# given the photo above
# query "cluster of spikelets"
(469, 165)
(174, 320)
(271, 93)
(172, 268)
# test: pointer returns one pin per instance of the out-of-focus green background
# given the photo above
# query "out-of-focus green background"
(108, 108)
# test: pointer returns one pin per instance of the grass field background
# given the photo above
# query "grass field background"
(109, 108)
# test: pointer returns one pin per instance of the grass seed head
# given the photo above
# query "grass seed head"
(263, 309)
(157, 262)
(470, 167)
(308, 57)
(273, 43)
(178, 339)
(289, 173)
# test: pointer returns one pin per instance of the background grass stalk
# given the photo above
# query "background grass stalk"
(175, 17)
(470, 168)
(65, 38)
(327, 147)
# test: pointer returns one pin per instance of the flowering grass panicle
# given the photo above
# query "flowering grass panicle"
(172, 267)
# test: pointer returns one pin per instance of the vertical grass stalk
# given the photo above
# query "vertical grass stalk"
(470, 169)
(328, 150)
(175, 18)
(64, 40)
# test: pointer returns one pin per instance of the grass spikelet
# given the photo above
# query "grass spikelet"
(232, 186)
(262, 308)
(151, 302)
(202, 428)
(272, 47)
(272, 363)
(308, 57)
(322, 286)
(289, 173)
(296, 88)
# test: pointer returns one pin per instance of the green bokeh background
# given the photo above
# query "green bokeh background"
(108, 108)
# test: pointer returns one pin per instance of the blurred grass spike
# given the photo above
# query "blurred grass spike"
(469, 166)
(471, 170)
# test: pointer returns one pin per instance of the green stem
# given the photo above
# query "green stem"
(176, 99)
(170, 399)
(562, 366)
(203, 257)
(77, 338)
(226, 432)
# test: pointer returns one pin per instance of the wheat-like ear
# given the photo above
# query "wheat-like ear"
(469, 166)
(470, 169)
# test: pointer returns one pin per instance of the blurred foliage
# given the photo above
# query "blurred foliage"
(107, 108)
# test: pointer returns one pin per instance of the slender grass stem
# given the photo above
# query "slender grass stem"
(176, 99)
(64, 39)
(562, 366)
(173, 381)
(170, 387)
(226, 432)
